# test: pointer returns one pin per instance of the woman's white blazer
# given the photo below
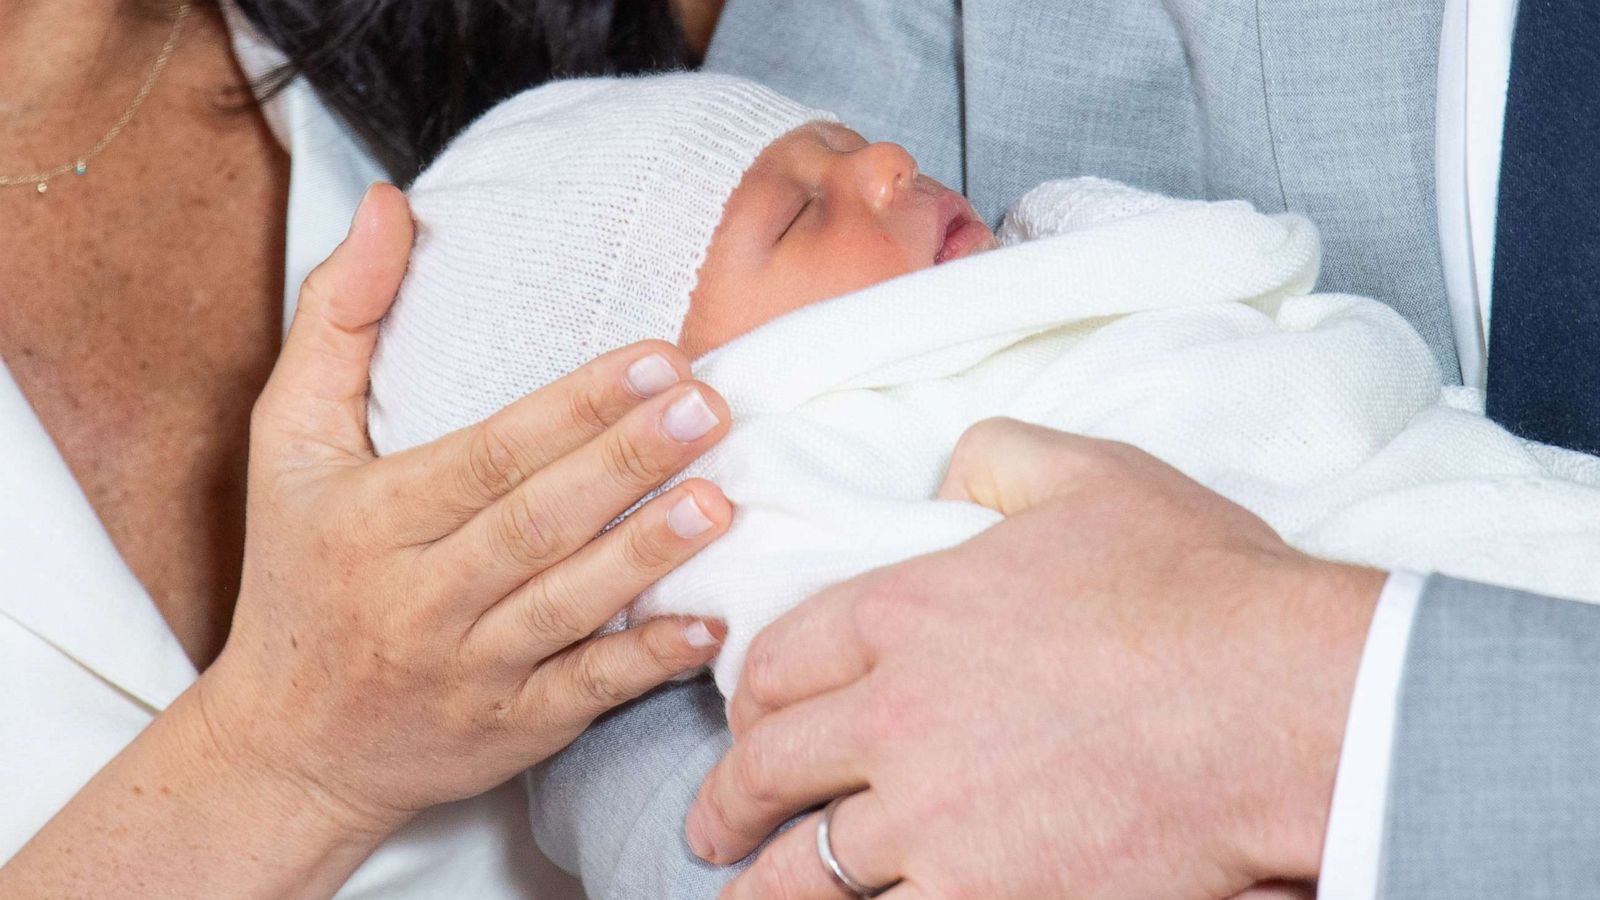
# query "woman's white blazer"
(87, 661)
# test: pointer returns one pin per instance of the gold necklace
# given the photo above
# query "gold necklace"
(80, 165)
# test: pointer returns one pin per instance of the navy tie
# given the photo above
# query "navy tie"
(1544, 331)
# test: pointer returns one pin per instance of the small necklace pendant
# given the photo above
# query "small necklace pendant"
(81, 169)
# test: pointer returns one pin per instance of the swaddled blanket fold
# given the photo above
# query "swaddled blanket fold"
(1183, 327)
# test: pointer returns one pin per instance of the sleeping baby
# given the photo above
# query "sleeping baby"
(858, 318)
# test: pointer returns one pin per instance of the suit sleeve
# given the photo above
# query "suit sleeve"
(1495, 783)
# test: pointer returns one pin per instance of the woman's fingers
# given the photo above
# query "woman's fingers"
(469, 470)
(794, 759)
(863, 840)
(602, 673)
(567, 603)
(438, 486)
(561, 507)
(315, 401)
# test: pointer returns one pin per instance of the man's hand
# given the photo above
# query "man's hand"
(1130, 688)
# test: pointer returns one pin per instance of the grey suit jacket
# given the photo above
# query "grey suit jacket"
(1325, 107)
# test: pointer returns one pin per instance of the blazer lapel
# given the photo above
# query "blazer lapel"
(1324, 107)
(63, 579)
(330, 168)
(1350, 89)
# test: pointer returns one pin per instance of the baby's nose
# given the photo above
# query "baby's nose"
(885, 170)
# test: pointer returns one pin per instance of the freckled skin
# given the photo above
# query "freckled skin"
(822, 213)
(141, 305)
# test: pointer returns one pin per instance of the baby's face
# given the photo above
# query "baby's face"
(822, 213)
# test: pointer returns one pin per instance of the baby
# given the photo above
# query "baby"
(822, 213)
(842, 305)
(589, 214)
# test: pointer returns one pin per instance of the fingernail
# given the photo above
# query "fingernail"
(689, 419)
(651, 375)
(695, 832)
(686, 520)
(699, 636)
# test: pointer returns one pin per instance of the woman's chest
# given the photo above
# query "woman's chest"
(140, 313)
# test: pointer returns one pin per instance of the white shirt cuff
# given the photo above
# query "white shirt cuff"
(1352, 855)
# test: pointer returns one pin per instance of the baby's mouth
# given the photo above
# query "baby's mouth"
(964, 233)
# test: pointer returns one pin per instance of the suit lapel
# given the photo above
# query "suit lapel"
(1350, 89)
(63, 579)
(1325, 107)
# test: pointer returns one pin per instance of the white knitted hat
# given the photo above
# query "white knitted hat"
(566, 222)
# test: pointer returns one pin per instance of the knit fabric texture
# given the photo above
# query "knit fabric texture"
(1185, 328)
(568, 221)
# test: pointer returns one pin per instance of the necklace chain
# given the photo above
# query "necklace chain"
(80, 164)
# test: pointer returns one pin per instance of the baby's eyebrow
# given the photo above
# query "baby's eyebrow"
(835, 135)
(824, 132)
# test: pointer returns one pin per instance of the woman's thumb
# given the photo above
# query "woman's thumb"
(318, 390)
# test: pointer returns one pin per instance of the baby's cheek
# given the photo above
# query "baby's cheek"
(731, 302)
(727, 308)
(872, 258)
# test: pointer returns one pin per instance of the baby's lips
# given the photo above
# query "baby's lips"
(961, 233)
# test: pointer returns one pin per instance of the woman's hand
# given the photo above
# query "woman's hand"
(411, 630)
(1131, 687)
(414, 629)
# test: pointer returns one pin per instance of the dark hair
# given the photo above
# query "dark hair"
(407, 75)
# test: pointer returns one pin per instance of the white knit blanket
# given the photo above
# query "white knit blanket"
(1182, 327)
